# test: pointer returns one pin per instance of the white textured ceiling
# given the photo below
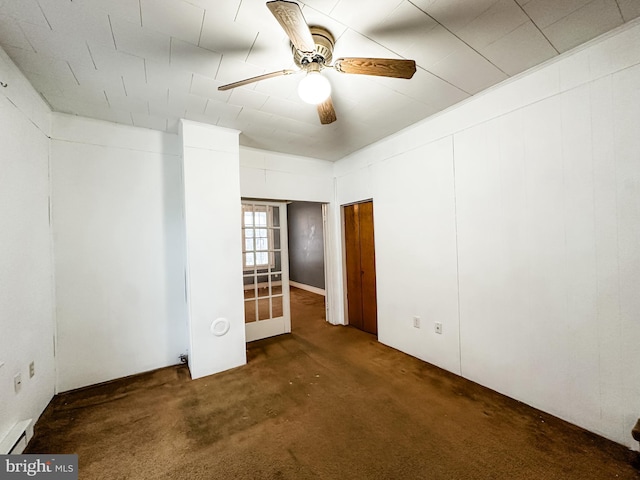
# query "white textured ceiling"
(149, 63)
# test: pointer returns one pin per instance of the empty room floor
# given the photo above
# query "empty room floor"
(324, 402)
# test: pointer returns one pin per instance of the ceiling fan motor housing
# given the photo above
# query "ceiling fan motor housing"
(323, 53)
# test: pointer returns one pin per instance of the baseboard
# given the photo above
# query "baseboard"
(309, 288)
(16, 440)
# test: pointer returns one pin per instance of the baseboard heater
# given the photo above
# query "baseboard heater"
(16, 440)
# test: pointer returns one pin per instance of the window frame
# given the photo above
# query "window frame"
(269, 228)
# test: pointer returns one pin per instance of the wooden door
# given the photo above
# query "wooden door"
(360, 265)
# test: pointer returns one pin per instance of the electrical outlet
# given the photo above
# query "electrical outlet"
(438, 327)
(32, 369)
(17, 382)
(416, 322)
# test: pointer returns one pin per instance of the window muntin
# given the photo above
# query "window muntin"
(257, 232)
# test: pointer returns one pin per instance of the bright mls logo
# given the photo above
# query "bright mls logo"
(52, 467)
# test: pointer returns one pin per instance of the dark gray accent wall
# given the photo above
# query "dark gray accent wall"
(306, 245)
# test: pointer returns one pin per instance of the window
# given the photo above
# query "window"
(257, 237)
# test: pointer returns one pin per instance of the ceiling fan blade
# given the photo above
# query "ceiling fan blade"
(382, 67)
(247, 81)
(290, 18)
(326, 112)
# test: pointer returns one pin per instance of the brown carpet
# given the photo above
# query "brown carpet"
(325, 402)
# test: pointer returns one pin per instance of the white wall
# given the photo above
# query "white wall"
(514, 219)
(274, 176)
(119, 250)
(214, 247)
(26, 278)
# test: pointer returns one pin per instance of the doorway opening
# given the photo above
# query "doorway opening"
(283, 252)
(306, 224)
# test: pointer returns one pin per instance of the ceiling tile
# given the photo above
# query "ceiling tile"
(136, 40)
(401, 108)
(454, 14)
(309, 129)
(499, 20)
(149, 121)
(222, 110)
(172, 78)
(128, 103)
(128, 10)
(45, 84)
(99, 112)
(208, 88)
(432, 90)
(361, 17)
(255, 15)
(232, 70)
(191, 58)
(260, 122)
(403, 30)
(107, 59)
(584, 24)
(436, 44)
(456, 67)
(201, 117)
(225, 37)
(27, 11)
(519, 50)
(291, 109)
(630, 9)
(176, 18)
(86, 94)
(247, 98)
(285, 87)
(271, 51)
(324, 6)
(89, 77)
(225, 9)
(545, 12)
(78, 20)
(11, 35)
(138, 87)
(53, 44)
(181, 102)
(354, 44)
(31, 62)
(319, 18)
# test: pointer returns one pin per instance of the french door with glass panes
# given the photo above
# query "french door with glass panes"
(265, 265)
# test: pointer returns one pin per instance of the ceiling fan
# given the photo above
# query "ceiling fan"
(312, 52)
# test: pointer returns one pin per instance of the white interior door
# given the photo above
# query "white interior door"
(265, 272)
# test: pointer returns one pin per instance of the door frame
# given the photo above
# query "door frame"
(345, 301)
(333, 256)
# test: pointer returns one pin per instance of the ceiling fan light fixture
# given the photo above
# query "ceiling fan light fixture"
(314, 88)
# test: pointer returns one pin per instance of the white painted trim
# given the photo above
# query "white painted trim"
(250, 286)
(264, 329)
(308, 288)
(333, 265)
(11, 441)
(343, 267)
